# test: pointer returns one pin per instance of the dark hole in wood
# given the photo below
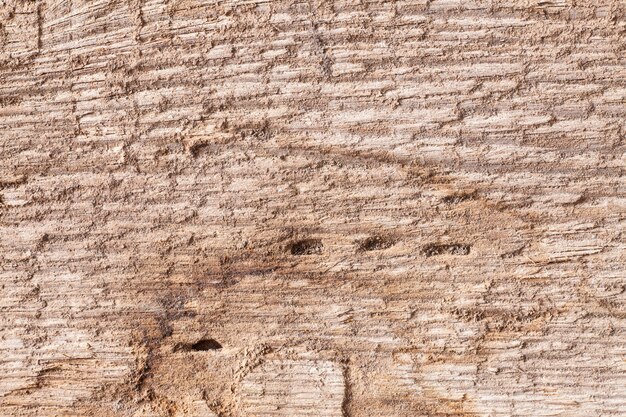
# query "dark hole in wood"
(205, 344)
(451, 249)
(306, 247)
(198, 148)
(376, 243)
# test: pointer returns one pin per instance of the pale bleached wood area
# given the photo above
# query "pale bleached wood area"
(286, 208)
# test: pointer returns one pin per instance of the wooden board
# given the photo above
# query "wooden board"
(339, 209)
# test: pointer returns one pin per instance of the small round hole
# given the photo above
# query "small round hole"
(306, 247)
(205, 344)
(375, 243)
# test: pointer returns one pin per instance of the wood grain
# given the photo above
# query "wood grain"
(317, 208)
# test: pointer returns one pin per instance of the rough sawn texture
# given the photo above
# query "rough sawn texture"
(289, 209)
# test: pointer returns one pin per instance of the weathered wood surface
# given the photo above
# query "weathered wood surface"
(282, 208)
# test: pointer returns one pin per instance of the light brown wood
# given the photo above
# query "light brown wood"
(282, 208)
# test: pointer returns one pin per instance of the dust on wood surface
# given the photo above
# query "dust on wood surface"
(314, 208)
